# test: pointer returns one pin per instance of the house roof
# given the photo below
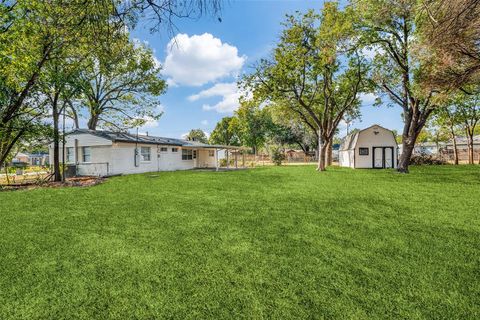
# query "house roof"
(133, 138)
(350, 141)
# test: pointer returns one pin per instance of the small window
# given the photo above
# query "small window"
(163, 149)
(187, 154)
(194, 154)
(174, 149)
(363, 151)
(211, 153)
(145, 153)
(69, 155)
(86, 154)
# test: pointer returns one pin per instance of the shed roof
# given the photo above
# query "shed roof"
(350, 141)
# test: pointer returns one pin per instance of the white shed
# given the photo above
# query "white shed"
(373, 147)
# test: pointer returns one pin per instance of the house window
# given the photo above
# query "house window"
(363, 151)
(145, 153)
(194, 154)
(163, 149)
(187, 154)
(211, 153)
(69, 155)
(86, 154)
(174, 149)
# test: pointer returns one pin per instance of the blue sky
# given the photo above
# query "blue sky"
(207, 57)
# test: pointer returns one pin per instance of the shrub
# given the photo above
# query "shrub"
(277, 155)
(426, 159)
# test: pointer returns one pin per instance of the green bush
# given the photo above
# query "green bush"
(277, 155)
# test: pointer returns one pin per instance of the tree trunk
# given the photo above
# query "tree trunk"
(470, 148)
(455, 149)
(56, 142)
(329, 155)
(404, 161)
(322, 148)
(414, 123)
(92, 123)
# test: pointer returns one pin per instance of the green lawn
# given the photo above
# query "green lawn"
(280, 243)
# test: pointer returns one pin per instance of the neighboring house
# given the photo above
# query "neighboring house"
(38, 159)
(30, 159)
(104, 153)
(21, 158)
(373, 147)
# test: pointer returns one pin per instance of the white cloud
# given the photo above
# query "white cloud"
(227, 91)
(200, 59)
(204, 122)
(151, 122)
(367, 98)
(219, 89)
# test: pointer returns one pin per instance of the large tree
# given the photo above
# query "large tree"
(254, 124)
(448, 119)
(120, 85)
(390, 31)
(316, 71)
(451, 33)
(468, 108)
(32, 32)
(197, 135)
(226, 132)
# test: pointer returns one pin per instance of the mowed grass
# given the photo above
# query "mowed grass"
(270, 242)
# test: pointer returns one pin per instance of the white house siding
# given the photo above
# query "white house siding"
(82, 140)
(204, 160)
(368, 139)
(123, 159)
(111, 158)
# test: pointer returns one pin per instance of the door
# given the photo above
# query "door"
(383, 157)
(388, 154)
(378, 158)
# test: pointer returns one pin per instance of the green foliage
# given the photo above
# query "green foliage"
(226, 132)
(254, 124)
(316, 71)
(276, 154)
(197, 135)
(120, 86)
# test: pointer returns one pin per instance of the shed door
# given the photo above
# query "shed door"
(388, 157)
(378, 157)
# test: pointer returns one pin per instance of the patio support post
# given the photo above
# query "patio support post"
(216, 159)
(228, 160)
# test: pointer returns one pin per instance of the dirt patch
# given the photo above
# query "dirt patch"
(70, 182)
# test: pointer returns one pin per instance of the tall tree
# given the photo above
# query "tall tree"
(390, 31)
(468, 107)
(316, 70)
(197, 135)
(120, 86)
(33, 32)
(254, 124)
(448, 118)
(451, 33)
(226, 132)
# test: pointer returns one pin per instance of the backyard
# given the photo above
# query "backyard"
(272, 242)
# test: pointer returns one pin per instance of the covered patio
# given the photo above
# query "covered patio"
(210, 156)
